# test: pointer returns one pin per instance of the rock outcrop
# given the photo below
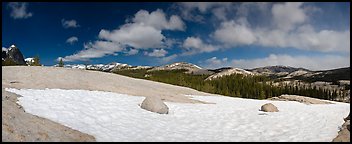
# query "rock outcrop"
(344, 133)
(301, 99)
(230, 71)
(155, 104)
(14, 54)
(269, 107)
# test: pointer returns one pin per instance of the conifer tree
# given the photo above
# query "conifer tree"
(61, 63)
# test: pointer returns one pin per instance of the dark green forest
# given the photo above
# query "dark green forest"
(236, 85)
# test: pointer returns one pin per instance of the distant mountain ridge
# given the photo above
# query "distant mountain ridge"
(276, 72)
(104, 67)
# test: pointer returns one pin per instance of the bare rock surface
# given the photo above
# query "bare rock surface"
(66, 78)
(344, 133)
(301, 99)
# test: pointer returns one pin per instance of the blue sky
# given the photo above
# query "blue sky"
(245, 35)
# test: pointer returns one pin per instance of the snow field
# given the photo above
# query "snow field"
(117, 117)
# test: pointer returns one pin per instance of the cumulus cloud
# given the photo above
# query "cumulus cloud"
(69, 23)
(306, 38)
(157, 19)
(195, 45)
(19, 10)
(233, 33)
(72, 40)
(132, 52)
(214, 62)
(167, 59)
(157, 53)
(189, 10)
(95, 50)
(145, 31)
(142, 33)
(136, 35)
(287, 15)
(324, 62)
(290, 29)
(202, 6)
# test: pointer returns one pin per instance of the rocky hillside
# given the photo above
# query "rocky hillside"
(229, 71)
(276, 70)
(334, 75)
(12, 55)
(191, 68)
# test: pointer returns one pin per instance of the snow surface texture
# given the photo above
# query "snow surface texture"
(118, 117)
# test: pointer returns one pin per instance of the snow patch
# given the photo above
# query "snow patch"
(4, 49)
(117, 117)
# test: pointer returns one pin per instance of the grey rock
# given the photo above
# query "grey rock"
(155, 104)
(269, 107)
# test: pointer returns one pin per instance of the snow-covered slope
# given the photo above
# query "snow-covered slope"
(229, 72)
(100, 67)
(117, 117)
(297, 73)
(191, 68)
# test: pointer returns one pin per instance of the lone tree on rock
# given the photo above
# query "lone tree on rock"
(61, 63)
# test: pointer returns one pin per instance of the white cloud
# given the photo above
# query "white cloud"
(144, 32)
(136, 35)
(220, 13)
(189, 10)
(290, 29)
(69, 23)
(234, 34)
(95, 50)
(167, 59)
(72, 40)
(214, 62)
(306, 38)
(202, 6)
(172, 42)
(19, 10)
(132, 52)
(286, 16)
(195, 45)
(323, 62)
(157, 53)
(158, 20)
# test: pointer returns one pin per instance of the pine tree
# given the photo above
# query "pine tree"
(61, 63)
(36, 61)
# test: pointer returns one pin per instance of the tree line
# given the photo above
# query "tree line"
(236, 85)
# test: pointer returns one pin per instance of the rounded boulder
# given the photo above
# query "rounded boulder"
(155, 104)
(269, 107)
